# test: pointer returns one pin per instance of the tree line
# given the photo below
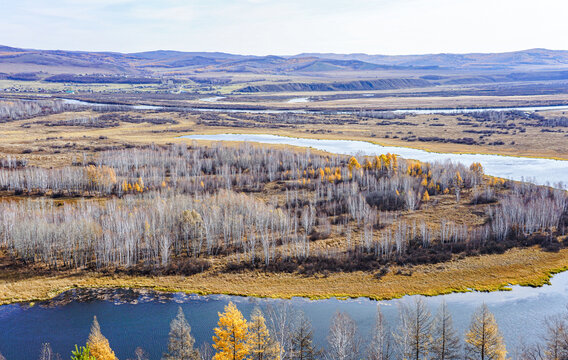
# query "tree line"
(282, 332)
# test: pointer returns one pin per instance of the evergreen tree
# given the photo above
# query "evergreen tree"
(231, 335)
(82, 353)
(302, 341)
(484, 340)
(181, 343)
(445, 341)
(98, 344)
(262, 346)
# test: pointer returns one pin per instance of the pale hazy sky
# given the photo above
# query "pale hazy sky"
(286, 26)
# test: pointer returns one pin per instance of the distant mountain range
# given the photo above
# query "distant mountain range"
(15, 60)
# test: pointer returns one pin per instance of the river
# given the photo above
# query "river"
(315, 111)
(536, 170)
(130, 319)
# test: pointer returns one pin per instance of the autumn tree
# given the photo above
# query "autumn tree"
(98, 344)
(556, 338)
(46, 353)
(458, 183)
(414, 333)
(484, 340)
(262, 346)
(302, 340)
(231, 340)
(343, 338)
(181, 343)
(140, 354)
(283, 319)
(445, 341)
(380, 347)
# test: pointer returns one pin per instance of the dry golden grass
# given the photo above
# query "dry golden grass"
(42, 139)
(489, 272)
(529, 266)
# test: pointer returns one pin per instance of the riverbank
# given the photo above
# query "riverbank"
(527, 267)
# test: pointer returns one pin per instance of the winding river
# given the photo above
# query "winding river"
(315, 111)
(141, 318)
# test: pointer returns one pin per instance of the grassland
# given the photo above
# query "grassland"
(518, 140)
(528, 267)
(43, 144)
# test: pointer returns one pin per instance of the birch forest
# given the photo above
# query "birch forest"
(174, 208)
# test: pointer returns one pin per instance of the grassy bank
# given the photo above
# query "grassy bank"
(527, 267)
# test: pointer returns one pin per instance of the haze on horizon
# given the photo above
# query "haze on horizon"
(286, 27)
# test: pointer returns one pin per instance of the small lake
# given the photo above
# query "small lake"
(132, 318)
(212, 98)
(536, 170)
(298, 100)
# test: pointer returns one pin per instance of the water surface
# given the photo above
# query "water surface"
(315, 111)
(141, 318)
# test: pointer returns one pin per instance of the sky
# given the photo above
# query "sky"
(286, 27)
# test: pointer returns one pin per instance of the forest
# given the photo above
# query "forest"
(282, 332)
(172, 209)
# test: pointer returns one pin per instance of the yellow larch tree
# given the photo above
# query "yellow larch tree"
(262, 346)
(353, 164)
(484, 340)
(98, 344)
(231, 340)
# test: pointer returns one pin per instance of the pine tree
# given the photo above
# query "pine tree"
(181, 343)
(262, 346)
(484, 340)
(82, 353)
(98, 344)
(445, 341)
(302, 341)
(231, 335)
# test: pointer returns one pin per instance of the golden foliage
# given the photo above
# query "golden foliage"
(261, 345)
(484, 340)
(98, 344)
(100, 175)
(353, 164)
(458, 179)
(477, 168)
(231, 335)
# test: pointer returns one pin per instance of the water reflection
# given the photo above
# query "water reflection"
(140, 317)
